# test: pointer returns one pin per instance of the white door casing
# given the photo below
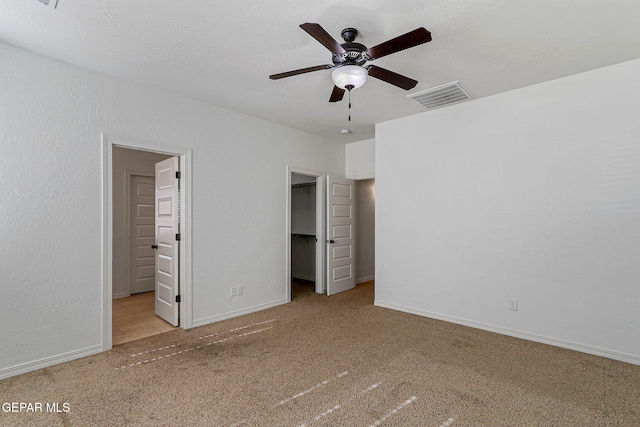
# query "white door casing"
(167, 242)
(142, 234)
(340, 234)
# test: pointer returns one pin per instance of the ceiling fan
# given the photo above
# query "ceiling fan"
(349, 59)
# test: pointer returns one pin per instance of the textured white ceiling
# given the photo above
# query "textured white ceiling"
(223, 52)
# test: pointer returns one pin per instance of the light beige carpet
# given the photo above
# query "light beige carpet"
(330, 361)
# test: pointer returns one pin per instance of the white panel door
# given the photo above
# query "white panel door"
(340, 238)
(142, 232)
(167, 243)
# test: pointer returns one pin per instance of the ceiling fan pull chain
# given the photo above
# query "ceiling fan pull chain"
(349, 87)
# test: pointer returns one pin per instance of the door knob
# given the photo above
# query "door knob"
(331, 241)
(154, 246)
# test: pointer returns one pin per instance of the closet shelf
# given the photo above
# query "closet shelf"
(303, 234)
(303, 184)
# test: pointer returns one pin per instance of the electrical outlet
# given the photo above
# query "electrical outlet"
(234, 291)
(240, 289)
(513, 304)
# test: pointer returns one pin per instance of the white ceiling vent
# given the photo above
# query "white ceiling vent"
(440, 96)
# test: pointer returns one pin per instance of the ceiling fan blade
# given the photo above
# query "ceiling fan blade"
(317, 32)
(300, 71)
(405, 41)
(393, 78)
(337, 94)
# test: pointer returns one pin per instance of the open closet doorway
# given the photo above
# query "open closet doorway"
(305, 232)
(139, 243)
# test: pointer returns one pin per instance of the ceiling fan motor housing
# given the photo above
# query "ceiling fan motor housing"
(355, 53)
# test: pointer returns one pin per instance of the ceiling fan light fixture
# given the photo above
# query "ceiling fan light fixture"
(349, 75)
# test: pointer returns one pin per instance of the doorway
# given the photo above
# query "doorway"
(110, 279)
(133, 308)
(305, 229)
(134, 235)
(133, 195)
(304, 234)
(333, 241)
(365, 230)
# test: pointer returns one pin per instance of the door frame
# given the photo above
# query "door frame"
(186, 274)
(320, 228)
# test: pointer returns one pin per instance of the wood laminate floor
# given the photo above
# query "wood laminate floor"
(134, 318)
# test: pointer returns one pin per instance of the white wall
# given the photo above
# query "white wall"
(360, 158)
(51, 119)
(531, 195)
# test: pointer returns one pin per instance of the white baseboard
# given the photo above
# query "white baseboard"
(365, 279)
(49, 361)
(120, 295)
(583, 348)
(231, 314)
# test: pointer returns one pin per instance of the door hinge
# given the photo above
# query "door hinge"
(178, 237)
(178, 175)
(177, 298)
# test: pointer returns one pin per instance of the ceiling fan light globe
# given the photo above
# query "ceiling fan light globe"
(349, 75)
